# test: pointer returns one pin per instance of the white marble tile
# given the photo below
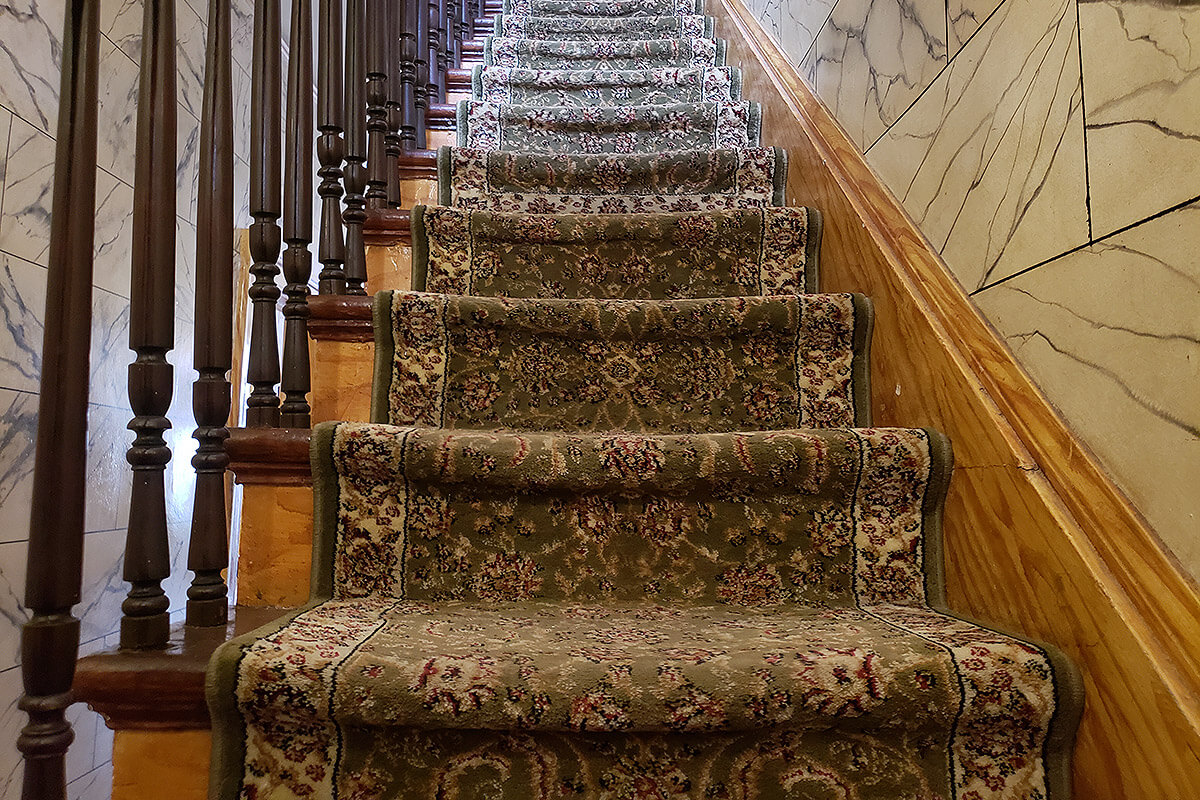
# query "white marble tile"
(989, 161)
(964, 18)
(103, 587)
(114, 234)
(28, 193)
(30, 43)
(1111, 334)
(121, 22)
(109, 476)
(12, 610)
(96, 785)
(22, 306)
(18, 428)
(1141, 89)
(12, 719)
(241, 25)
(110, 353)
(241, 113)
(187, 171)
(873, 57)
(799, 24)
(117, 116)
(768, 15)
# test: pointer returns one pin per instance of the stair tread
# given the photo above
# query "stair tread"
(586, 87)
(628, 256)
(548, 183)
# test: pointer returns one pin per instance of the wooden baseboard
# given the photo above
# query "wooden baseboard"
(1037, 537)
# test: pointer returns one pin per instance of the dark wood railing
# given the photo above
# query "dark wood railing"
(378, 74)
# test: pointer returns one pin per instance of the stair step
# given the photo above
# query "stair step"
(627, 129)
(698, 180)
(627, 256)
(624, 54)
(603, 29)
(721, 364)
(607, 8)
(589, 88)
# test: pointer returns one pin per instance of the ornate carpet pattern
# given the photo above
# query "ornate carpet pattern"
(619, 529)
(604, 28)
(621, 256)
(615, 54)
(586, 87)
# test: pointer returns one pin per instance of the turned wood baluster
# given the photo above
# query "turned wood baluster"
(395, 108)
(145, 623)
(330, 148)
(377, 106)
(297, 220)
(262, 407)
(443, 44)
(470, 12)
(408, 73)
(418, 11)
(208, 549)
(356, 145)
(453, 33)
(54, 567)
(435, 88)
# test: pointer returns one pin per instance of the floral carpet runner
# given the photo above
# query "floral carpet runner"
(618, 529)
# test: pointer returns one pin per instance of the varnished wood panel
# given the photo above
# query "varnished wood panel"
(389, 267)
(341, 377)
(154, 764)
(275, 548)
(1037, 538)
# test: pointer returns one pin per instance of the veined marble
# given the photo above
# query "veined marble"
(18, 427)
(989, 161)
(872, 58)
(1111, 334)
(28, 189)
(1141, 82)
(799, 24)
(12, 612)
(110, 355)
(963, 18)
(117, 117)
(22, 304)
(30, 41)
(114, 235)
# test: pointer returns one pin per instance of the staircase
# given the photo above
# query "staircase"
(618, 526)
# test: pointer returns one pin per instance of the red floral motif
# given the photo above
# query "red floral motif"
(631, 457)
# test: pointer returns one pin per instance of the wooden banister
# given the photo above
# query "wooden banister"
(208, 548)
(145, 623)
(54, 567)
(330, 147)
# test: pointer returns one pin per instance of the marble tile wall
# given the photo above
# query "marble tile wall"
(1050, 151)
(30, 34)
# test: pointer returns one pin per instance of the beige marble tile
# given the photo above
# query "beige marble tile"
(873, 58)
(964, 18)
(1111, 334)
(1141, 84)
(799, 23)
(989, 161)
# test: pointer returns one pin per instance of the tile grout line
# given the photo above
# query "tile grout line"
(1087, 177)
(1091, 243)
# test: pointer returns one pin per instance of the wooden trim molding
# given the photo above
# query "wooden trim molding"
(386, 227)
(340, 318)
(417, 164)
(274, 456)
(1038, 537)
(160, 689)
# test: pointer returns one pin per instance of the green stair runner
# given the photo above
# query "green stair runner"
(619, 54)
(604, 28)
(547, 183)
(614, 533)
(566, 87)
(620, 256)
